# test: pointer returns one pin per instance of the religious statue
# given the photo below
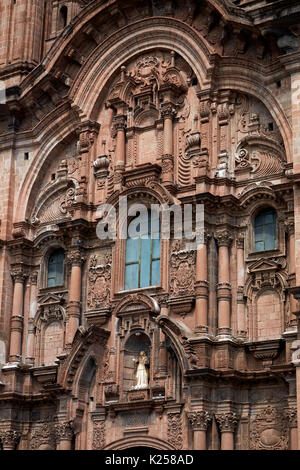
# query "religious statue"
(141, 373)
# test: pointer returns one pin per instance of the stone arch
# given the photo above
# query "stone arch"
(178, 338)
(139, 441)
(50, 134)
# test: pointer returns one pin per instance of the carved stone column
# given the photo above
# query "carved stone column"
(9, 439)
(75, 259)
(168, 112)
(119, 122)
(16, 328)
(32, 312)
(162, 355)
(64, 435)
(224, 240)
(241, 319)
(290, 229)
(227, 423)
(201, 287)
(199, 421)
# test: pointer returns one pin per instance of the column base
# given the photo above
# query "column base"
(224, 331)
(201, 330)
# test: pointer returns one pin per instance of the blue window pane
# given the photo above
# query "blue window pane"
(132, 276)
(270, 237)
(132, 250)
(155, 248)
(259, 233)
(51, 282)
(259, 246)
(155, 273)
(269, 218)
(145, 262)
(56, 268)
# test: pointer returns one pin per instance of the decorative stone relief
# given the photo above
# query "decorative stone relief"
(175, 429)
(182, 271)
(269, 430)
(98, 435)
(43, 435)
(9, 439)
(99, 283)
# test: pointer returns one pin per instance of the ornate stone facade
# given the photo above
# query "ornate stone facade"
(162, 103)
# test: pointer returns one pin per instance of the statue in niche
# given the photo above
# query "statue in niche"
(141, 373)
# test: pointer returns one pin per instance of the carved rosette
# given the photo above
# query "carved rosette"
(43, 435)
(199, 420)
(9, 439)
(182, 273)
(99, 283)
(175, 429)
(269, 430)
(64, 431)
(98, 435)
(227, 421)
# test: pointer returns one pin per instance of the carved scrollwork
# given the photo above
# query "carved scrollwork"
(43, 434)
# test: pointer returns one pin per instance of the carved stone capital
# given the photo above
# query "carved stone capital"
(289, 227)
(9, 439)
(75, 257)
(64, 431)
(34, 278)
(120, 122)
(223, 237)
(18, 275)
(168, 111)
(227, 421)
(199, 420)
(86, 135)
(291, 417)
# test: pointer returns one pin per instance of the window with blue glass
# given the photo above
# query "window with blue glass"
(56, 268)
(265, 230)
(142, 262)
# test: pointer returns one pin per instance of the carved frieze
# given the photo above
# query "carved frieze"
(269, 430)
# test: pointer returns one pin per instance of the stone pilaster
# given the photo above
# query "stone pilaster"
(119, 123)
(224, 240)
(202, 287)
(75, 258)
(16, 328)
(168, 111)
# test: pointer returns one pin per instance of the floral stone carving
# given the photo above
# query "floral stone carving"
(99, 283)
